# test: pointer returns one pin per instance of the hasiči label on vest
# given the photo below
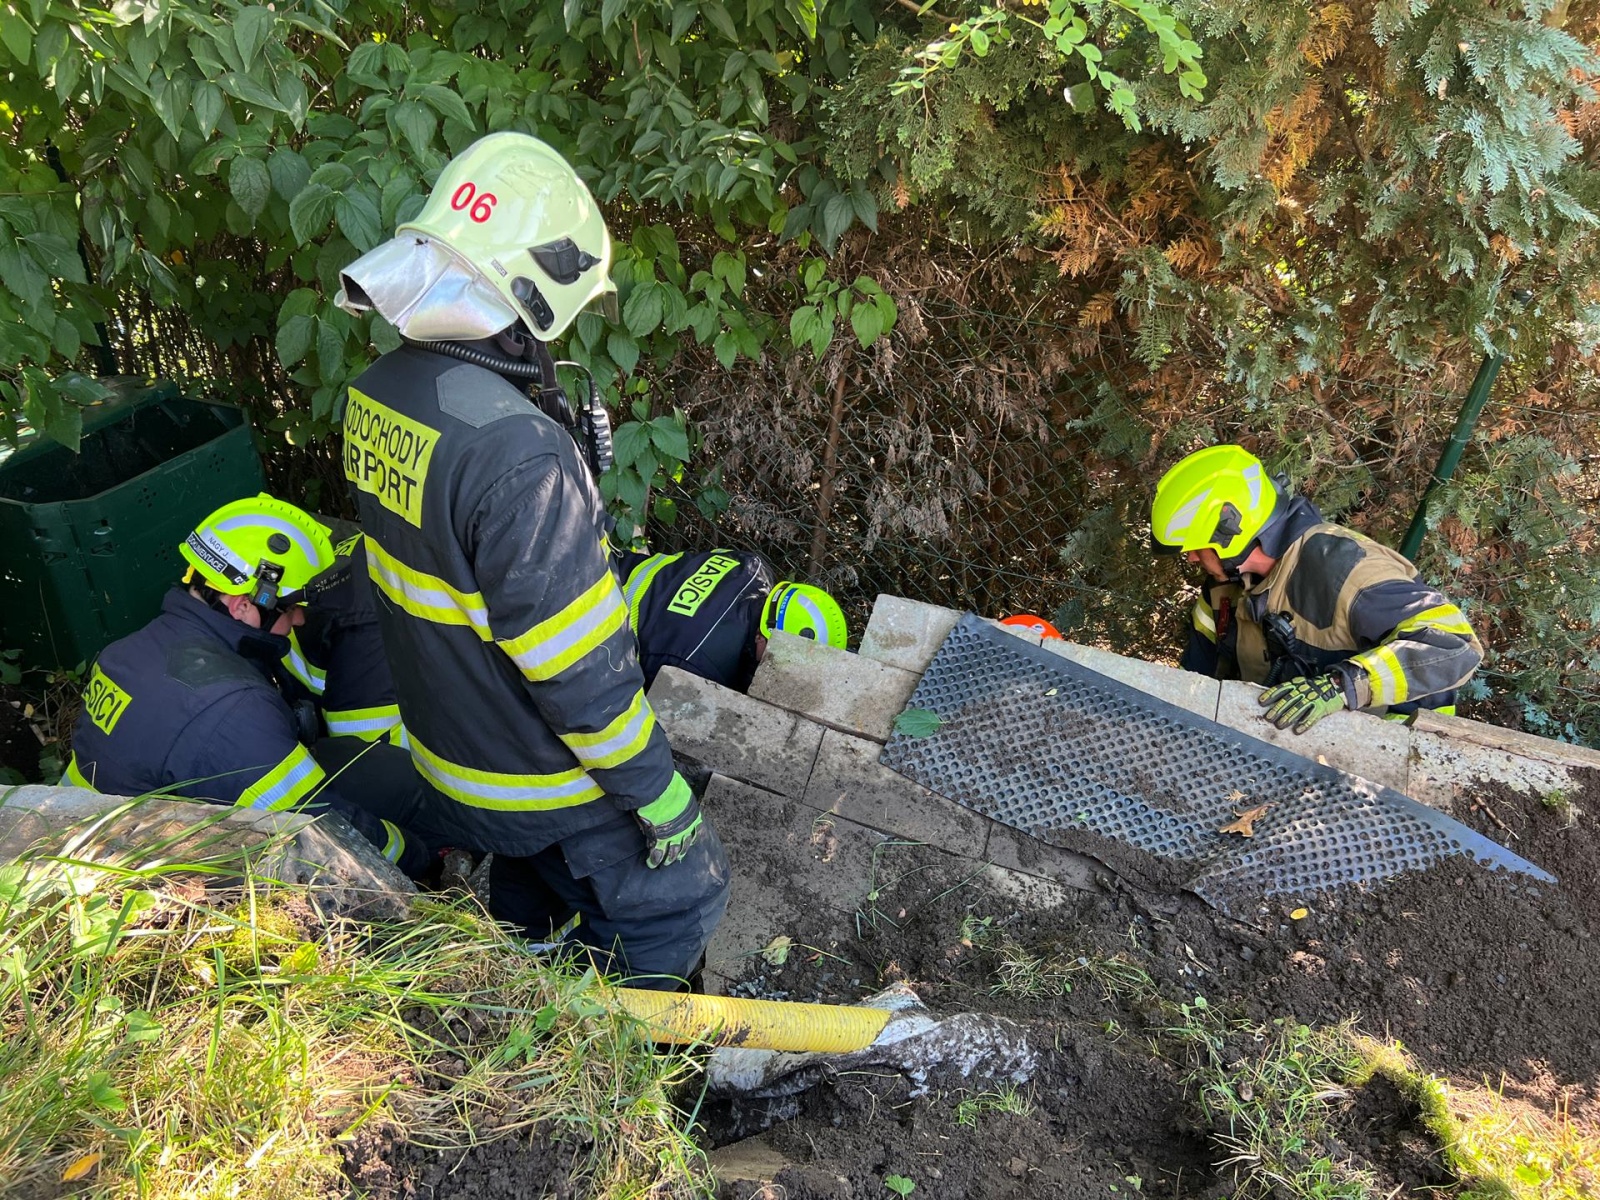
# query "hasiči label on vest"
(692, 594)
(104, 701)
(386, 455)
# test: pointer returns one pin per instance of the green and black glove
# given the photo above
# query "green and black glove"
(1301, 703)
(671, 823)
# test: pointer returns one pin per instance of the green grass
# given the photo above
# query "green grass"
(1271, 1110)
(1501, 1148)
(971, 1108)
(205, 1032)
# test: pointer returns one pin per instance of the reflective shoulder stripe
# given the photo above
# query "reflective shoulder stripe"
(395, 845)
(304, 669)
(619, 741)
(1386, 675)
(368, 724)
(1446, 618)
(639, 581)
(423, 595)
(554, 644)
(1204, 619)
(503, 791)
(288, 783)
(74, 776)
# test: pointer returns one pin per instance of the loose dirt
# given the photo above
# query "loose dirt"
(1482, 977)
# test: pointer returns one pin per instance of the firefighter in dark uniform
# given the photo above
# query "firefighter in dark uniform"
(1326, 618)
(337, 653)
(341, 678)
(711, 614)
(487, 543)
(190, 705)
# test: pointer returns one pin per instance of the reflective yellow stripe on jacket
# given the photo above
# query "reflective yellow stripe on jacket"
(504, 791)
(395, 842)
(74, 776)
(1386, 675)
(557, 642)
(1446, 618)
(288, 783)
(1204, 619)
(314, 677)
(617, 742)
(425, 596)
(368, 724)
(639, 581)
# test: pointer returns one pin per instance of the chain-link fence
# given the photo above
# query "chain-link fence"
(961, 464)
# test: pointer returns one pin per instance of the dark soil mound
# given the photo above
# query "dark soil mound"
(383, 1164)
(1481, 975)
(1384, 1132)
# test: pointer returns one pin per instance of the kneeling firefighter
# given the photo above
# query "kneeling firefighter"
(711, 614)
(190, 705)
(486, 539)
(1325, 617)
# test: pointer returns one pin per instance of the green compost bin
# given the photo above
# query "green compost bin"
(89, 541)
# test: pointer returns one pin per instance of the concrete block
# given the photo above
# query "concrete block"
(1029, 891)
(848, 780)
(1017, 852)
(352, 879)
(740, 737)
(1356, 743)
(1512, 741)
(840, 690)
(1442, 769)
(906, 633)
(1187, 690)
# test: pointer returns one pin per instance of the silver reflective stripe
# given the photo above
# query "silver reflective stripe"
(302, 670)
(606, 609)
(363, 725)
(597, 752)
(472, 789)
(424, 597)
(293, 532)
(288, 785)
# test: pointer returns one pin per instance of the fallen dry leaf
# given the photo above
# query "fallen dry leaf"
(81, 1167)
(776, 951)
(1237, 797)
(1300, 914)
(1245, 826)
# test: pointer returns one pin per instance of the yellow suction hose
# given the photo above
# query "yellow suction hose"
(754, 1024)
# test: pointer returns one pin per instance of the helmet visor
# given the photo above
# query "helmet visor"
(425, 291)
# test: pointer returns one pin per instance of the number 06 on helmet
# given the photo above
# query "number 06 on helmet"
(509, 233)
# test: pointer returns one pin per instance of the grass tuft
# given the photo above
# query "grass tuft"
(978, 1104)
(1271, 1108)
(163, 1038)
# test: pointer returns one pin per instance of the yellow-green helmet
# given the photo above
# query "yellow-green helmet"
(805, 611)
(1221, 497)
(509, 233)
(263, 548)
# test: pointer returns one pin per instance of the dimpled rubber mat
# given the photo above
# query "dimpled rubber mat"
(1037, 742)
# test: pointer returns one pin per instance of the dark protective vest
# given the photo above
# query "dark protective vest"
(188, 706)
(698, 612)
(1347, 604)
(516, 673)
(337, 655)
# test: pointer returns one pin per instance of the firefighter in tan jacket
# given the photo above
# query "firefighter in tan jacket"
(1323, 616)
